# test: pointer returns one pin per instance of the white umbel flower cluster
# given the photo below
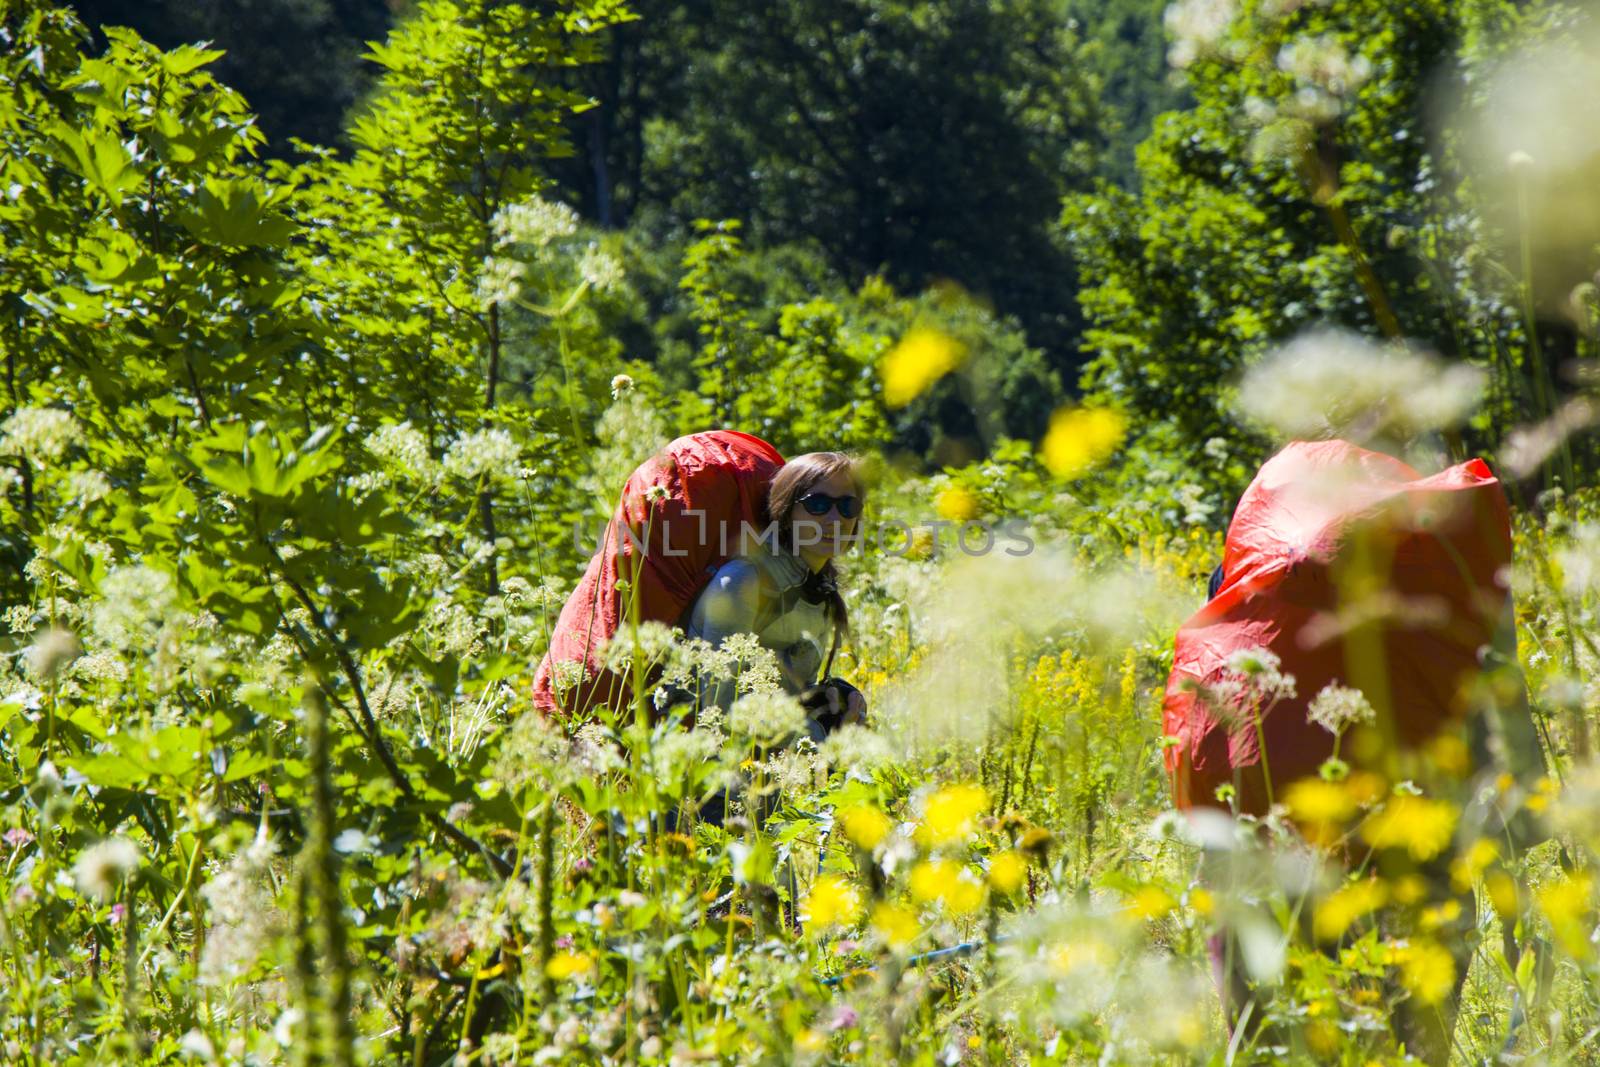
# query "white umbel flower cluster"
(104, 866)
(535, 222)
(1337, 382)
(599, 268)
(1195, 27)
(40, 434)
(403, 447)
(483, 453)
(766, 718)
(1261, 671)
(1336, 708)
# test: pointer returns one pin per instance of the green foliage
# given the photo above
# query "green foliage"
(1125, 44)
(1244, 231)
(297, 61)
(780, 345)
(922, 142)
(288, 459)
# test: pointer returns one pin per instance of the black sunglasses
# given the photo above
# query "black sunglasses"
(819, 503)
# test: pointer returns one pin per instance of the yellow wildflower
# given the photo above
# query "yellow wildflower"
(1007, 872)
(1334, 914)
(1409, 889)
(921, 358)
(957, 505)
(1441, 914)
(1566, 904)
(1428, 971)
(1544, 790)
(1202, 901)
(566, 964)
(1313, 800)
(1502, 889)
(896, 924)
(1322, 1039)
(831, 902)
(1449, 753)
(1465, 868)
(946, 881)
(1152, 902)
(1079, 438)
(1365, 788)
(948, 815)
(1420, 825)
(809, 1040)
(865, 826)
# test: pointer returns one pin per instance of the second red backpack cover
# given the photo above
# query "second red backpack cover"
(1315, 516)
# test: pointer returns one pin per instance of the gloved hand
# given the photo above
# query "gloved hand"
(833, 703)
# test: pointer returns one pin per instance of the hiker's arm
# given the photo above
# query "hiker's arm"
(729, 605)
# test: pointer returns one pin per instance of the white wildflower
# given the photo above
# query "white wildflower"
(492, 453)
(1323, 63)
(453, 629)
(1335, 382)
(767, 717)
(535, 222)
(40, 434)
(1579, 561)
(596, 750)
(654, 641)
(599, 268)
(794, 769)
(678, 754)
(568, 674)
(1336, 708)
(403, 447)
(197, 1046)
(856, 747)
(242, 914)
(756, 665)
(1261, 671)
(88, 486)
(1531, 131)
(51, 651)
(134, 602)
(1196, 26)
(104, 866)
(533, 751)
(501, 281)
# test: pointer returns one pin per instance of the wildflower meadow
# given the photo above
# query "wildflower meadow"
(332, 332)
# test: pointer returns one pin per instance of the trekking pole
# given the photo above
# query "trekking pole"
(964, 948)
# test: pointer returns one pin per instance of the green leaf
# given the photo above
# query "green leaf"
(235, 212)
(182, 60)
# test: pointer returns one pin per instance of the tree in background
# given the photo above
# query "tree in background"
(298, 62)
(1308, 185)
(923, 142)
(1127, 48)
(466, 113)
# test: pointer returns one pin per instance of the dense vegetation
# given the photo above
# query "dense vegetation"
(303, 446)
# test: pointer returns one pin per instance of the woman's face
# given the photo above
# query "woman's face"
(821, 537)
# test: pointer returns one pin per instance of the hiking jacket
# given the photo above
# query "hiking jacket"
(759, 593)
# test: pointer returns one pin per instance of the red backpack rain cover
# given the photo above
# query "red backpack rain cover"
(1446, 543)
(715, 482)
